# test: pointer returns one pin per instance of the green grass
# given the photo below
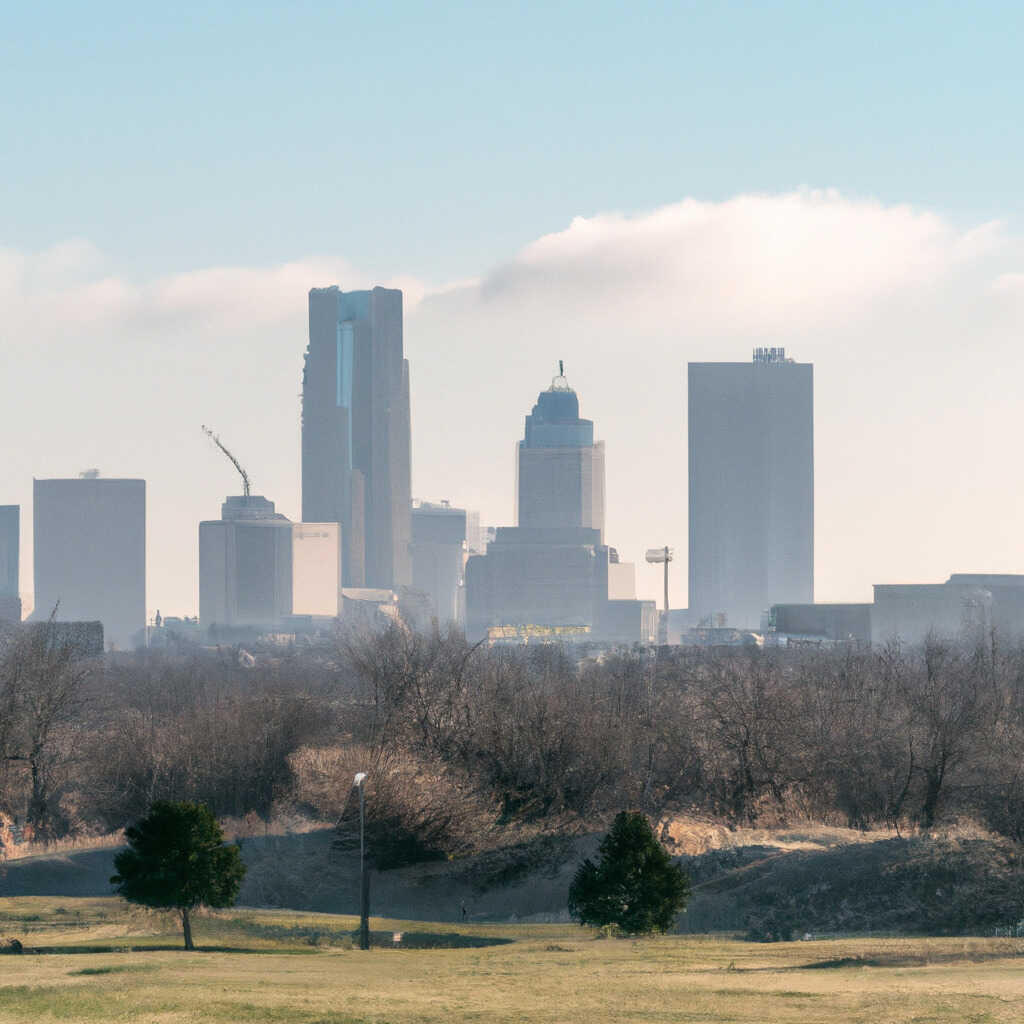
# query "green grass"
(100, 960)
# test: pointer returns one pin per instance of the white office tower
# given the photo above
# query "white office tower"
(751, 483)
(90, 553)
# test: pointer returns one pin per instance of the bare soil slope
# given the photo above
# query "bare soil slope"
(768, 884)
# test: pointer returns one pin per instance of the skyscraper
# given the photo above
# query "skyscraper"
(751, 481)
(560, 469)
(10, 539)
(89, 540)
(356, 467)
(553, 575)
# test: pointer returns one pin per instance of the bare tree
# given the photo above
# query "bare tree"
(42, 670)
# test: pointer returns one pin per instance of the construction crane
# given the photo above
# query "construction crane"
(220, 444)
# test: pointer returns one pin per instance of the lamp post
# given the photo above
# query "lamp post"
(657, 556)
(364, 878)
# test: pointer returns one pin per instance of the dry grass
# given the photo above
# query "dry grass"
(289, 968)
(234, 828)
(73, 844)
(691, 836)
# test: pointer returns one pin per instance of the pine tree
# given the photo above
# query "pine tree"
(176, 860)
(634, 884)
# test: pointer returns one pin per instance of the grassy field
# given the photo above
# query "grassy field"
(99, 960)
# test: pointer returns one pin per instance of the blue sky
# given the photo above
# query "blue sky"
(627, 186)
(434, 138)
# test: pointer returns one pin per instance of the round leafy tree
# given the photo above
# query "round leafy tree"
(176, 860)
(633, 885)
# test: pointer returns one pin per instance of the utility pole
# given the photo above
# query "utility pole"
(658, 556)
(364, 875)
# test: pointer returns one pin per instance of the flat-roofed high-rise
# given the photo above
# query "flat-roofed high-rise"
(751, 487)
(89, 544)
(10, 541)
(356, 467)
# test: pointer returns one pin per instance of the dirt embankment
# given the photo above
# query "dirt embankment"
(768, 884)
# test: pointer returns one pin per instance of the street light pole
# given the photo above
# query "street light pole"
(668, 558)
(663, 556)
(364, 876)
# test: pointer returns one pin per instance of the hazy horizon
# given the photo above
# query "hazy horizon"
(627, 198)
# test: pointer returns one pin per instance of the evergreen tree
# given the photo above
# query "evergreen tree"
(633, 885)
(176, 860)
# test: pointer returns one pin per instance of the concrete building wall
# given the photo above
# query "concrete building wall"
(909, 612)
(621, 581)
(536, 577)
(475, 542)
(966, 604)
(90, 553)
(245, 564)
(10, 562)
(438, 558)
(316, 569)
(216, 604)
(263, 567)
(627, 622)
(245, 572)
(751, 488)
(561, 487)
(839, 623)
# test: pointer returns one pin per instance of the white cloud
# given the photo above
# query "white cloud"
(64, 288)
(1010, 283)
(752, 263)
(755, 263)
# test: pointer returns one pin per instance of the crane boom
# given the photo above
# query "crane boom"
(220, 444)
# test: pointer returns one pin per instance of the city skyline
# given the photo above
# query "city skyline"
(462, 480)
(731, 179)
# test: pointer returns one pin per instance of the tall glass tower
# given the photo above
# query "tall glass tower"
(356, 467)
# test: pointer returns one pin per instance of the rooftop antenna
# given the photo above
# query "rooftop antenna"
(220, 444)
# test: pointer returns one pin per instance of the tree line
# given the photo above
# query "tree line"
(463, 742)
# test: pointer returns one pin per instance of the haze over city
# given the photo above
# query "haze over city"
(726, 183)
(511, 512)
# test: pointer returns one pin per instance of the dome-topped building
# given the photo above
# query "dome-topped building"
(552, 575)
(560, 469)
